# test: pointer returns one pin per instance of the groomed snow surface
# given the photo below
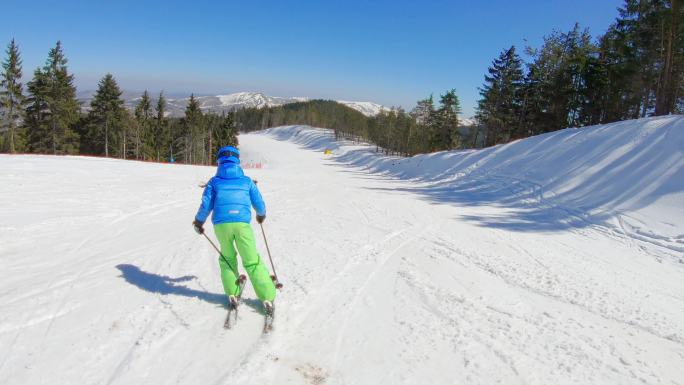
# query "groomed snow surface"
(558, 259)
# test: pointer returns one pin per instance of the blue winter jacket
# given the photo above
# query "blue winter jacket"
(231, 195)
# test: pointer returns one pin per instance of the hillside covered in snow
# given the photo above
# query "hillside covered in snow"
(557, 259)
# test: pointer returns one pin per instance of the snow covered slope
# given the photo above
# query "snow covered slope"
(506, 265)
(627, 175)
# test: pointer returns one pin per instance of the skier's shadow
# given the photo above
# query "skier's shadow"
(166, 285)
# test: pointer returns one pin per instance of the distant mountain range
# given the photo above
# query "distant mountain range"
(467, 122)
(226, 103)
(230, 102)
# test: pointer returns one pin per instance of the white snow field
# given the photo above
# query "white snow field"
(557, 259)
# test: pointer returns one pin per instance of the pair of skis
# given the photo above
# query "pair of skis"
(233, 305)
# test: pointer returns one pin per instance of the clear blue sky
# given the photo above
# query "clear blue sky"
(389, 52)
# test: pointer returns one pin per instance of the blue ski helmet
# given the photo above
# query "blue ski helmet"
(228, 154)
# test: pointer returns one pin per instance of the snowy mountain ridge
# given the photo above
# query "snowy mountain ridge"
(467, 122)
(366, 108)
(255, 100)
(231, 102)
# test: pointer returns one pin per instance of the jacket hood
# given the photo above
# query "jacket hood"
(229, 171)
(228, 154)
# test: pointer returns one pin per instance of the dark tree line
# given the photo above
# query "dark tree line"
(426, 128)
(636, 69)
(49, 119)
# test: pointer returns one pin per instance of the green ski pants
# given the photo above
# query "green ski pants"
(240, 235)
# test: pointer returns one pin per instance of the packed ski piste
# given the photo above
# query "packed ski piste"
(557, 259)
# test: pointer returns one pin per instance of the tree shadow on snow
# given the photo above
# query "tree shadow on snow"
(165, 285)
(587, 177)
(523, 209)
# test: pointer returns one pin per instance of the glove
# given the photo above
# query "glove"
(199, 226)
(261, 218)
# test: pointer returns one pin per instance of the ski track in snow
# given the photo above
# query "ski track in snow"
(106, 282)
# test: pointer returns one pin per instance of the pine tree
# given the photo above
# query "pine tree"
(500, 108)
(583, 69)
(406, 128)
(595, 90)
(620, 94)
(107, 115)
(668, 87)
(160, 132)
(37, 112)
(648, 37)
(447, 135)
(192, 131)
(12, 97)
(61, 100)
(143, 113)
(424, 117)
(558, 90)
(226, 134)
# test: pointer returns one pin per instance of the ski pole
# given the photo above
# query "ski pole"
(217, 249)
(212, 243)
(275, 275)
